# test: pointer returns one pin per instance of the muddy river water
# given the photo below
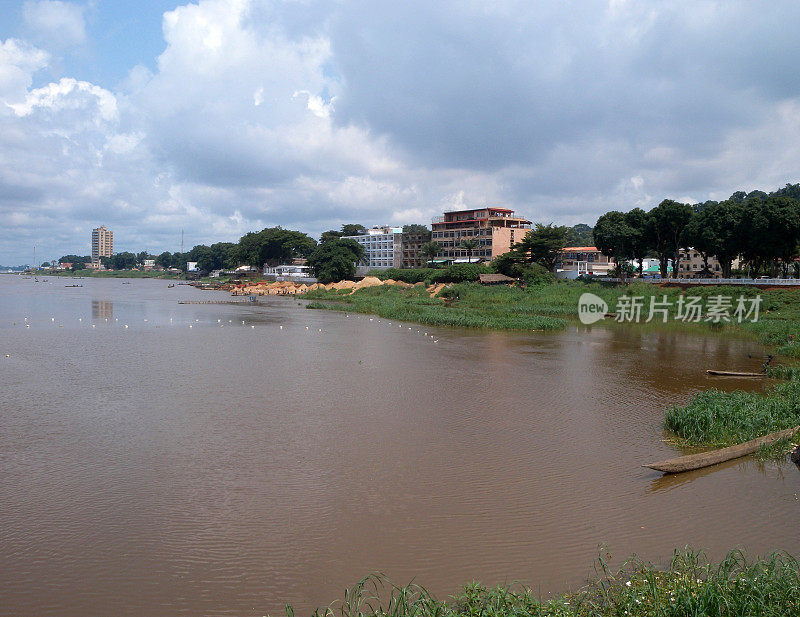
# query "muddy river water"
(159, 458)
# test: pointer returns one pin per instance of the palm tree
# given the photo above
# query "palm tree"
(469, 245)
(429, 251)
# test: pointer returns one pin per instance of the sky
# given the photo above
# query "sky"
(221, 117)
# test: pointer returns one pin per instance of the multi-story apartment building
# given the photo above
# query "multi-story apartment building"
(575, 261)
(382, 248)
(494, 229)
(411, 243)
(102, 244)
(692, 265)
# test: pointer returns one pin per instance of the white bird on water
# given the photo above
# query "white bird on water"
(281, 327)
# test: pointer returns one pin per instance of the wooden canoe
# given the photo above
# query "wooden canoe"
(705, 459)
(735, 373)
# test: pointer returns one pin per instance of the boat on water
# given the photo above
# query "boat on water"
(73, 285)
(734, 373)
(170, 285)
(712, 457)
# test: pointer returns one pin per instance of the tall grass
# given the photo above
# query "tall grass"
(691, 586)
(715, 418)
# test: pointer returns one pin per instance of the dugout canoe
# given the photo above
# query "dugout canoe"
(712, 457)
(735, 373)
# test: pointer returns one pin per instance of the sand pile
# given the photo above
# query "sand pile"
(289, 288)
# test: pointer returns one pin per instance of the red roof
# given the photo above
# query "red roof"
(580, 249)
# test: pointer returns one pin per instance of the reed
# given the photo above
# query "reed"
(690, 586)
(718, 419)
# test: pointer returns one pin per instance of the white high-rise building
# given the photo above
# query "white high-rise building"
(383, 248)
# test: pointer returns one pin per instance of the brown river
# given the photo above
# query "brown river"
(159, 458)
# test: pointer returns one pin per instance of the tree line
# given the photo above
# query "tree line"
(762, 229)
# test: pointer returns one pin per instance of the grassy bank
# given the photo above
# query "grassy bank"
(129, 274)
(690, 587)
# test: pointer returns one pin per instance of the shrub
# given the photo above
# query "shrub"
(459, 273)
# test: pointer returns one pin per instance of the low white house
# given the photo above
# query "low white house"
(289, 272)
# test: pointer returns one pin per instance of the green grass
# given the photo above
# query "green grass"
(719, 419)
(415, 305)
(691, 586)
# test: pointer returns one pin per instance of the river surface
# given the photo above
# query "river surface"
(159, 458)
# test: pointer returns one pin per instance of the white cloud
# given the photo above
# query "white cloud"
(55, 23)
(310, 114)
(18, 62)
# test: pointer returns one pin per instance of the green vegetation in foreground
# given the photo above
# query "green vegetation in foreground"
(690, 587)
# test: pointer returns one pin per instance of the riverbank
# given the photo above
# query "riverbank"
(130, 274)
(690, 586)
(711, 419)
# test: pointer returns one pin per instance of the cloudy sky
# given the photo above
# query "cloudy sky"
(226, 116)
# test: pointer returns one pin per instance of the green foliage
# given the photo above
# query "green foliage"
(336, 260)
(119, 261)
(353, 230)
(692, 586)
(543, 243)
(273, 246)
(415, 228)
(331, 234)
(666, 223)
(459, 273)
(473, 308)
(580, 235)
(715, 418)
(429, 251)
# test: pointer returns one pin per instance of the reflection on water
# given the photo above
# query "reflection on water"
(102, 309)
(233, 458)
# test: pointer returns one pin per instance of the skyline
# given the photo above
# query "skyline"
(228, 116)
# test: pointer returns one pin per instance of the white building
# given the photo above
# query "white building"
(383, 248)
(289, 272)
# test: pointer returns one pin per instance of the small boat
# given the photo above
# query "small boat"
(73, 285)
(712, 457)
(735, 373)
(171, 285)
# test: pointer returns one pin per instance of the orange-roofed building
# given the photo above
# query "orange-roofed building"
(575, 261)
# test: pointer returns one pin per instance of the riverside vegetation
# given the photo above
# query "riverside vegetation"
(712, 418)
(691, 586)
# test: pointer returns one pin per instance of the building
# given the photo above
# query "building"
(383, 248)
(692, 265)
(411, 243)
(575, 261)
(290, 272)
(494, 229)
(102, 244)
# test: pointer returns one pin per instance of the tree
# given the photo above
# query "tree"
(140, 257)
(615, 238)
(415, 228)
(639, 239)
(164, 260)
(45, 264)
(273, 246)
(429, 251)
(543, 244)
(119, 261)
(335, 260)
(580, 235)
(331, 234)
(469, 245)
(353, 230)
(666, 223)
(770, 231)
(78, 265)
